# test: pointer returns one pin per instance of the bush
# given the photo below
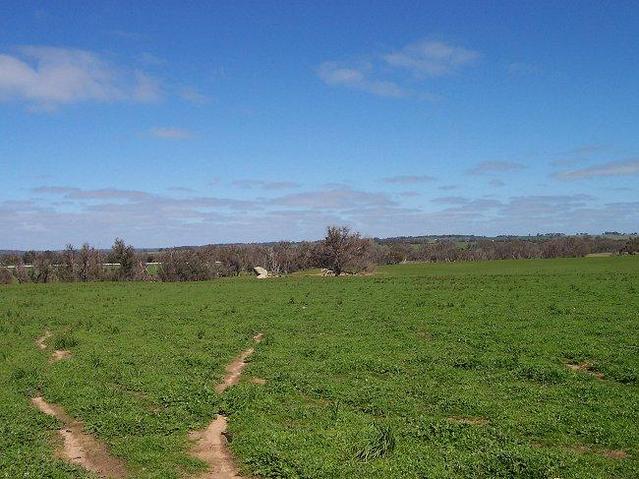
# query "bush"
(5, 276)
(184, 265)
(124, 255)
(343, 251)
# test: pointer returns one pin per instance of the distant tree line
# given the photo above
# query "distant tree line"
(341, 252)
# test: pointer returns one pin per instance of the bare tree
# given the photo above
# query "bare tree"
(5, 276)
(21, 273)
(67, 266)
(125, 255)
(184, 265)
(344, 251)
(43, 270)
(631, 246)
(283, 258)
(90, 266)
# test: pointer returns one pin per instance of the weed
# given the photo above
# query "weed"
(380, 444)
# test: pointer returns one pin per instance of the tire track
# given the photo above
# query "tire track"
(210, 444)
(81, 448)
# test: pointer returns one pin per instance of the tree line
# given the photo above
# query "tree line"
(341, 252)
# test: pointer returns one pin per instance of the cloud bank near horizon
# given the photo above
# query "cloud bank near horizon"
(53, 216)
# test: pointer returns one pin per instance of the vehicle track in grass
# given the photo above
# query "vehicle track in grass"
(58, 354)
(79, 447)
(41, 342)
(210, 444)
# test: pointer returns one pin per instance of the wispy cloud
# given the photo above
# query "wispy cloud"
(181, 189)
(522, 69)
(544, 206)
(579, 154)
(47, 77)
(431, 58)
(489, 167)
(97, 194)
(407, 179)
(334, 198)
(151, 60)
(194, 96)
(127, 35)
(250, 184)
(171, 133)
(357, 78)
(454, 200)
(427, 58)
(56, 215)
(612, 168)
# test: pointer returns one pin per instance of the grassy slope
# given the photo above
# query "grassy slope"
(400, 352)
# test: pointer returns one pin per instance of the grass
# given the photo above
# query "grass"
(419, 371)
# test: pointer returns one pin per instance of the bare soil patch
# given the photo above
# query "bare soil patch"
(59, 355)
(79, 447)
(234, 370)
(609, 453)
(41, 342)
(473, 421)
(211, 444)
(258, 381)
(585, 367)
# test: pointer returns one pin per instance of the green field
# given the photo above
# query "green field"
(418, 371)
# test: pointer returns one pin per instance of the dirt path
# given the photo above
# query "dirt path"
(586, 367)
(81, 448)
(210, 444)
(41, 342)
(234, 370)
(59, 355)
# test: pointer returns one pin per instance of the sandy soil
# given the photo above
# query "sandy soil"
(473, 421)
(81, 448)
(210, 444)
(234, 370)
(59, 355)
(41, 342)
(609, 453)
(586, 367)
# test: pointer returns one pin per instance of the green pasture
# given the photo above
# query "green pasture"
(417, 371)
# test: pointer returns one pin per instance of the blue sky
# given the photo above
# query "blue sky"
(169, 124)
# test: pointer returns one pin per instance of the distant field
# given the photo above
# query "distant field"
(502, 369)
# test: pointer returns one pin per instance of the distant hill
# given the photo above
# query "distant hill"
(393, 239)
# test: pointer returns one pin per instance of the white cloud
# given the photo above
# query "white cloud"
(170, 133)
(427, 58)
(578, 155)
(62, 214)
(357, 78)
(337, 198)
(489, 167)
(408, 179)
(250, 184)
(409, 194)
(431, 58)
(194, 96)
(612, 168)
(47, 77)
